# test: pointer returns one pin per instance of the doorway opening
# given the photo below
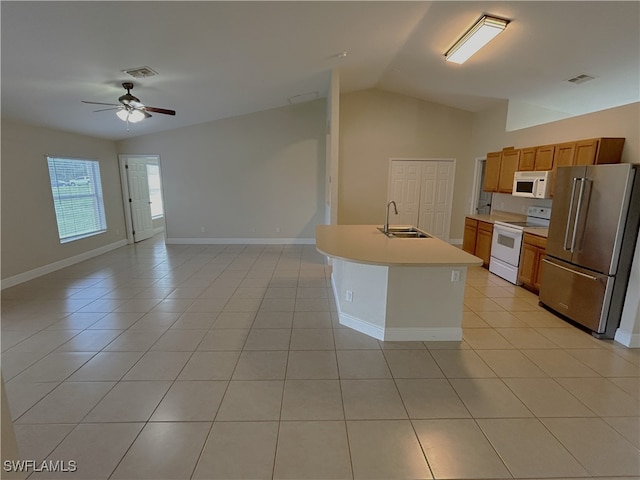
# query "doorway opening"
(480, 200)
(142, 193)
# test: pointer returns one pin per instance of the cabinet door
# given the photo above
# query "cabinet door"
(528, 265)
(527, 160)
(508, 168)
(483, 242)
(538, 276)
(586, 152)
(469, 238)
(544, 157)
(492, 172)
(563, 156)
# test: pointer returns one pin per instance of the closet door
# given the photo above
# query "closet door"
(404, 189)
(422, 189)
(435, 198)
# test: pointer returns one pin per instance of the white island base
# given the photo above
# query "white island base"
(396, 289)
(400, 303)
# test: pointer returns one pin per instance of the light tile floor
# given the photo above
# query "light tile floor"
(227, 362)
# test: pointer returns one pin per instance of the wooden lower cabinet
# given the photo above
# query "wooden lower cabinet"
(533, 250)
(477, 239)
(483, 242)
(470, 234)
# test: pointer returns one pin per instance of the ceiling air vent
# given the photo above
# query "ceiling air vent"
(141, 72)
(578, 79)
(304, 97)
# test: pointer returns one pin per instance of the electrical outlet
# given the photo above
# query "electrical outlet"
(277, 229)
(201, 229)
(455, 275)
(349, 296)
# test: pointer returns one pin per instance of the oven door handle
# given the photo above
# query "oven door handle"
(506, 229)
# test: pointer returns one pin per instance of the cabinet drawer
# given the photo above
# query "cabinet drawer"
(486, 226)
(470, 222)
(535, 240)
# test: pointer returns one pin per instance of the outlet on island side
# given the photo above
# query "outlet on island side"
(455, 275)
(349, 296)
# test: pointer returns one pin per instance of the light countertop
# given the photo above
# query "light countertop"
(498, 216)
(539, 231)
(366, 244)
(513, 217)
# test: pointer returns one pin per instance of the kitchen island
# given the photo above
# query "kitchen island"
(396, 289)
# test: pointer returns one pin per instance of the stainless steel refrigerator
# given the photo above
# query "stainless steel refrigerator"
(592, 236)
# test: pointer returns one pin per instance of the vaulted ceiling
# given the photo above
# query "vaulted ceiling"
(221, 59)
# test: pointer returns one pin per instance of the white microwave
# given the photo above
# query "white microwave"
(532, 184)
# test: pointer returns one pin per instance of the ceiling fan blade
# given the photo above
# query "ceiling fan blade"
(160, 110)
(101, 103)
(105, 109)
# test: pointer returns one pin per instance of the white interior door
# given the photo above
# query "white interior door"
(423, 190)
(405, 191)
(139, 201)
(436, 194)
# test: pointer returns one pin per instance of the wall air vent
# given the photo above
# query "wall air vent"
(141, 72)
(578, 79)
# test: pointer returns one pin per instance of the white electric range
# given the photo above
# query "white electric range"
(507, 242)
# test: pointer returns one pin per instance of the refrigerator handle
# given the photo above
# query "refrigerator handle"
(576, 220)
(566, 230)
(590, 277)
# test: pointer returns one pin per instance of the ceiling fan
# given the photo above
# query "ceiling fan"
(131, 109)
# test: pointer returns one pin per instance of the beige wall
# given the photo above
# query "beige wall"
(489, 135)
(489, 130)
(243, 177)
(29, 230)
(376, 126)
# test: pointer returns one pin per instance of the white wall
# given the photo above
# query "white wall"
(243, 178)
(29, 229)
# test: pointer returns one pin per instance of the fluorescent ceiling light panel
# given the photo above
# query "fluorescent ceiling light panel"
(485, 30)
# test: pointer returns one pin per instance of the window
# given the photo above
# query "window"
(77, 198)
(155, 193)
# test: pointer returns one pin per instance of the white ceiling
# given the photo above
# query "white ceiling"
(220, 59)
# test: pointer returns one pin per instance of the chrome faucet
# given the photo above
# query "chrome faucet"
(386, 219)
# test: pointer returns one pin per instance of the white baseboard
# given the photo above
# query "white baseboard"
(241, 241)
(631, 340)
(52, 267)
(361, 326)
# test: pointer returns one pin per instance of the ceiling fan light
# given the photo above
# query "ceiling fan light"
(122, 114)
(135, 116)
(485, 30)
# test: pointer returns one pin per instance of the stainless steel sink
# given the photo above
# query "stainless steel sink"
(404, 232)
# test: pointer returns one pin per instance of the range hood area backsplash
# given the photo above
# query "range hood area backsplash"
(503, 202)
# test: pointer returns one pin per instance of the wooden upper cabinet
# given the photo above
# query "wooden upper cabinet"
(492, 172)
(527, 160)
(508, 167)
(501, 166)
(585, 153)
(597, 151)
(544, 157)
(564, 153)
